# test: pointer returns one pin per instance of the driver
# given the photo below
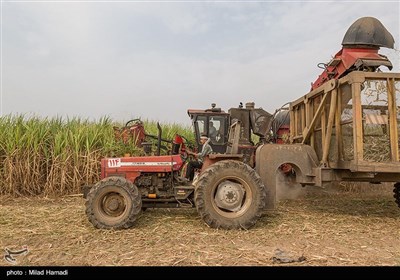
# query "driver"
(198, 162)
(212, 130)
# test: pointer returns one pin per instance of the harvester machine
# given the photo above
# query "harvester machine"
(347, 127)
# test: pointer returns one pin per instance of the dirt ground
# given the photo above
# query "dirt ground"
(320, 228)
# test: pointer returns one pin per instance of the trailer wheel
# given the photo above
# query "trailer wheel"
(113, 203)
(396, 195)
(230, 195)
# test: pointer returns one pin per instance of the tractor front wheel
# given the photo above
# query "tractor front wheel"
(113, 203)
(230, 195)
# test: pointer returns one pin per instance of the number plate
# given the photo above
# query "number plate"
(114, 162)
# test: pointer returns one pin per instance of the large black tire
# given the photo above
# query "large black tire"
(230, 195)
(396, 195)
(113, 203)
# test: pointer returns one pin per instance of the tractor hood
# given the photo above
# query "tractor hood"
(368, 31)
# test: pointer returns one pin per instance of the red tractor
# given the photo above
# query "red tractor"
(229, 195)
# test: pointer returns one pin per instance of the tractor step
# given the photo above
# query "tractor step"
(182, 192)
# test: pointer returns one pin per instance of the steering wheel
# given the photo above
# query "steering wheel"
(184, 155)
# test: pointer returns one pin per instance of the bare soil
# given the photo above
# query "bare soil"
(320, 228)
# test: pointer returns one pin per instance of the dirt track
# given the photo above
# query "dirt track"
(326, 228)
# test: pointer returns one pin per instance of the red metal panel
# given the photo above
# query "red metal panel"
(142, 164)
(344, 60)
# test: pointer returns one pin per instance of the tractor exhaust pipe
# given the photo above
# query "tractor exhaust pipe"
(159, 139)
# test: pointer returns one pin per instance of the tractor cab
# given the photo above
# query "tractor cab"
(215, 123)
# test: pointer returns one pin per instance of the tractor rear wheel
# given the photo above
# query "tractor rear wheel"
(230, 195)
(396, 195)
(113, 203)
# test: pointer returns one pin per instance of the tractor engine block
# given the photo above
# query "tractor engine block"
(155, 184)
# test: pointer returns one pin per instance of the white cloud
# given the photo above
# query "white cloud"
(156, 60)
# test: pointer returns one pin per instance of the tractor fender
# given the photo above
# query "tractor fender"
(269, 158)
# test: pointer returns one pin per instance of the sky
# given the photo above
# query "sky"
(156, 59)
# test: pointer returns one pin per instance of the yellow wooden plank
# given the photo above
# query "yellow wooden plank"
(329, 128)
(357, 122)
(394, 148)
